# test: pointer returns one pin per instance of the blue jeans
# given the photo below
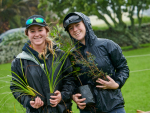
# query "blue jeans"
(119, 110)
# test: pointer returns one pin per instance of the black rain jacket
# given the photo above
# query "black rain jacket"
(37, 79)
(110, 59)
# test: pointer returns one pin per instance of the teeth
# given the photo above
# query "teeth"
(77, 33)
(37, 38)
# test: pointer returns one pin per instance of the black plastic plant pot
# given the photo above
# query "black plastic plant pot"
(87, 93)
(48, 97)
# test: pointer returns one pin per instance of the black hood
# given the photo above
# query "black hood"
(90, 36)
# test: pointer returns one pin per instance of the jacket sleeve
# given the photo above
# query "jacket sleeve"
(119, 62)
(17, 74)
(68, 81)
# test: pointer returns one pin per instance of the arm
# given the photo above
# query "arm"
(119, 64)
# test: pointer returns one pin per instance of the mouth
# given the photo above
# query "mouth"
(36, 38)
(76, 34)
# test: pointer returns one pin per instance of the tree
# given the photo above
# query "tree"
(8, 10)
(13, 13)
(114, 9)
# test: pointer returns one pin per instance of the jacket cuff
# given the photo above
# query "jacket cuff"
(119, 84)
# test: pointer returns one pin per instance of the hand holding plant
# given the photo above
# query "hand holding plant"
(111, 84)
(37, 103)
(55, 99)
(77, 99)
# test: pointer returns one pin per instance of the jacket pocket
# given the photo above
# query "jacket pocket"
(108, 99)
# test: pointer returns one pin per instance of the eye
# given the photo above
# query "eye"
(70, 28)
(77, 24)
(32, 31)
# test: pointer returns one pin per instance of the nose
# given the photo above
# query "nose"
(36, 33)
(74, 28)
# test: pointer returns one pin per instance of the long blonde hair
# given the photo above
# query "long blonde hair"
(49, 44)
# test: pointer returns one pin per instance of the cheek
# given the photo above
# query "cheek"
(44, 33)
(71, 33)
(30, 36)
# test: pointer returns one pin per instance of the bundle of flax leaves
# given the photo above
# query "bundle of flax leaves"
(22, 85)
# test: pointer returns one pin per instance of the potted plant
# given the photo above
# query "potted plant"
(92, 71)
(56, 61)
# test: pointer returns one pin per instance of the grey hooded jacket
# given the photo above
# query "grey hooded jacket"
(110, 59)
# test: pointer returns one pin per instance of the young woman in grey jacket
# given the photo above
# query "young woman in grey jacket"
(30, 63)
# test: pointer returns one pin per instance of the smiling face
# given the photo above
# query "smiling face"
(78, 31)
(37, 35)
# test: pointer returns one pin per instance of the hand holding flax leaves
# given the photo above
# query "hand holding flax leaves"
(55, 99)
(37, 103)
(22, 85)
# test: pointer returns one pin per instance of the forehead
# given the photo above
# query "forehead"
(74, 24)
(35, 27)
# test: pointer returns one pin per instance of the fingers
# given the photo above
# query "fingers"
(78, 101)
(109, 78)
(37, 103)
(78, 95)
(111, 84)
(55, 99)
(57, 92)
(81, 107)
(103, 83)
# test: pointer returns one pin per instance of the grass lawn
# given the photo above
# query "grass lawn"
(136, 91)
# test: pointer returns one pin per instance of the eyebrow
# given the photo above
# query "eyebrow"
(38, 28)
(73, 23)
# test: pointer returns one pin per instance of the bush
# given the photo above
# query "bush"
(11, 46)
(121, 39)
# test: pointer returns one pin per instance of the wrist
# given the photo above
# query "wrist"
(116, 86)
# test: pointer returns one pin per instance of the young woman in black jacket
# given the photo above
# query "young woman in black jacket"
(30, 63)
(108, 57)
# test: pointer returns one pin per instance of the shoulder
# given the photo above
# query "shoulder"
(109, 45)
(15, 62)
(105, 42)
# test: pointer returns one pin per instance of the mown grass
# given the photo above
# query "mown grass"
(136, 91)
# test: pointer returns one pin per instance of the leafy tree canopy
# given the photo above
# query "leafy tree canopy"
(114, 9)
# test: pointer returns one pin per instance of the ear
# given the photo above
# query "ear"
(26, 32)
